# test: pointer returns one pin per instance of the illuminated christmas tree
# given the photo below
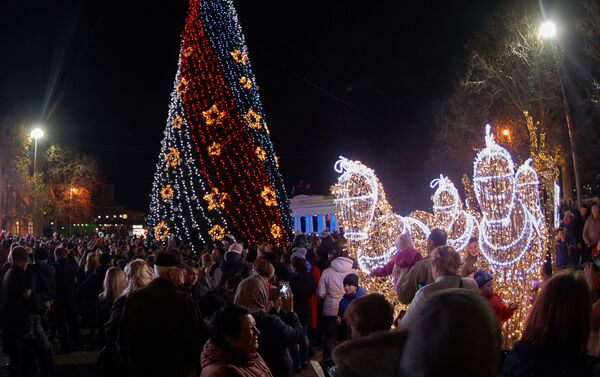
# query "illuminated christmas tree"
(217, 171)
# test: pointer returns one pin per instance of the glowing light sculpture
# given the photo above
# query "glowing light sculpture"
(509, 237)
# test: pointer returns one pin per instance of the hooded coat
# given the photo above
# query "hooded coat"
(331, 285)
(233, 265)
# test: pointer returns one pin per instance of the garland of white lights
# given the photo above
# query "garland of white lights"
(528, 190)
(346, 203)
(496, 210)
(556, 205)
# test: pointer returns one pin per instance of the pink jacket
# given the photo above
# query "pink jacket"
(402, 259)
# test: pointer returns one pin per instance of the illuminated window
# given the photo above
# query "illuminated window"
(30, 227)
(17, 227)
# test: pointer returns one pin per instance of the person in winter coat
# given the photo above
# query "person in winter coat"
(303, 288)
(326, 246)
(445, 262)
(405, 257)
(41, 279)
(470, 263)
(161, 330)
(231, 350)
(313, 301)
(65, 305)
(233, 264)
(466, 342)
(331, 288)
(420, 274)
(485, 282)
(555, 337)
(352, 292)
(279, 328)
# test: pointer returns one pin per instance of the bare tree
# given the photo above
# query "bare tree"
(510, 69)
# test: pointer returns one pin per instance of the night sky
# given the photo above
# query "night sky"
(358, 79)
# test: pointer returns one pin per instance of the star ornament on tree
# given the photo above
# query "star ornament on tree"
(275, 231)
(161, 231)
(172, 158)
(269, 196)
(260, 153)
(177, 122)
(188, 51)
(239, 57)
(182, 86)
(214, 149)
(166, 193)
(216, 199)
(246, 82)
(253, 119)
(217, 232)
(213, 115)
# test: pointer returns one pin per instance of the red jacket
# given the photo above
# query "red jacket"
(502, 311)
(314, 300)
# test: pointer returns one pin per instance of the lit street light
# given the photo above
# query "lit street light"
(36, 133)
(548, 31)
(72, 191)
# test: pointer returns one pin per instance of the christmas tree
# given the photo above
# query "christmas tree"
(217, 171)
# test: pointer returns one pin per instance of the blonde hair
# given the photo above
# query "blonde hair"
(446, 259)
(138, 275)
(91, 261)
(114, 284)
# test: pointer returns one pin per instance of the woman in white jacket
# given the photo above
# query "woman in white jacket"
(331, 288)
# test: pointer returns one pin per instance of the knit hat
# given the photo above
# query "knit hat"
(351, 279)
(324, 233)
(404, 241)
(482, 277)
(236, 248)
(300, 253)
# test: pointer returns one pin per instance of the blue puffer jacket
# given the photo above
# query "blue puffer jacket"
(347, 299)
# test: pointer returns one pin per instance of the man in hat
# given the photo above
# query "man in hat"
(162, 333)
(227, 241)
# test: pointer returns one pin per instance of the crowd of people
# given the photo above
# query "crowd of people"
(162, 310)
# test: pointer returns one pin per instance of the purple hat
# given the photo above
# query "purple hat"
(482, 277)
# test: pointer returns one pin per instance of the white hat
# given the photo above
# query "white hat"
(236, 248)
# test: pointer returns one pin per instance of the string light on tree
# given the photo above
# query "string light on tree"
(166, 193)
(208, 92)
(269, 196)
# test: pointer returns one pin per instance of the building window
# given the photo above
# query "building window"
(17, 227)
(30, 227)
(303, 224)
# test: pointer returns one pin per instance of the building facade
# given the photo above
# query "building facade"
(313, 213)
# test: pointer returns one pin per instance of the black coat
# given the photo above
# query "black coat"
(303, 287)
(233, 265)
(196, 291)
(161, 332)
(526, 360)
(65, 275)
(41, 279)
(14, 310)
(277, 333)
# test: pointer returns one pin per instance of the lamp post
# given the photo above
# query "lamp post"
(36, 133)
(72, 191)
(548, 31)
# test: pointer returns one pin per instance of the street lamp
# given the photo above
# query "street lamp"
(36, 133)
(72, 191)
(548, 31)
